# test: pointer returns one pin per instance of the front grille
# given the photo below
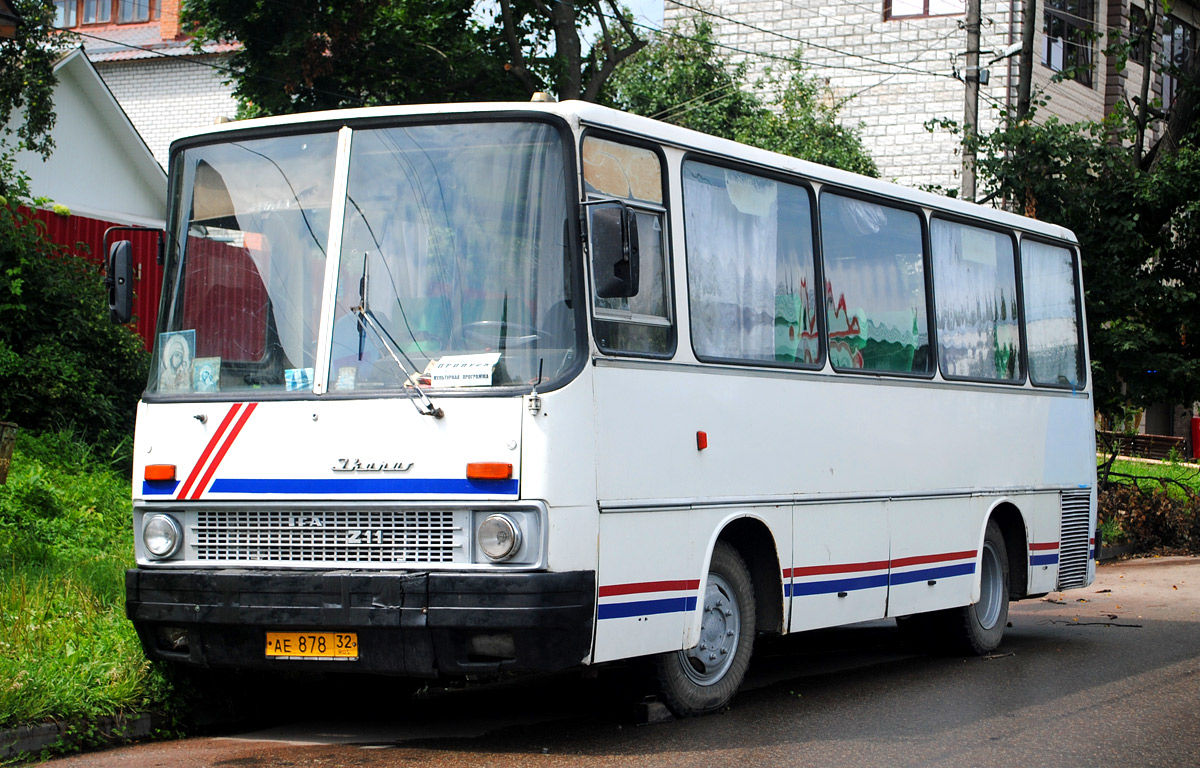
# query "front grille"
(1073, 540)
(310, 536)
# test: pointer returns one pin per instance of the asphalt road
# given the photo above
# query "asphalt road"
(1105, 675)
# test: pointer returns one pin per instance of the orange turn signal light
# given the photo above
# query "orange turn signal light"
(160, 472)
(489, 470)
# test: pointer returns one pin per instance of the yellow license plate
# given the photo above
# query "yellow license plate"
(338, 646)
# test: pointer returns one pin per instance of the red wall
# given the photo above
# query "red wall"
(85, 237)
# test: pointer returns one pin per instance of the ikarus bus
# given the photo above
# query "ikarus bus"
(465, 390)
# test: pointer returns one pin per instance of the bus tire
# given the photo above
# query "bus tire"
(703, 679)
(978, 628)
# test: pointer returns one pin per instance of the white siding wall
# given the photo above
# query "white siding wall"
(167, 96)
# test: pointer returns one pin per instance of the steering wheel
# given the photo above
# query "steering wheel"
(486, 333)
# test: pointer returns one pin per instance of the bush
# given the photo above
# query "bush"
(1149, 520)
(63, 364)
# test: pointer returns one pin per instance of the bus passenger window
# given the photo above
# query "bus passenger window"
(1051, 315)
(875, 306)
(640, 324)
(751, 285)
(975, 281)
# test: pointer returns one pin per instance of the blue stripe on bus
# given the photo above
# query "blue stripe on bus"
(1044, 559)
(925, 574)
(838, 585)
(336, 485)
(646, 607)
(159, 487)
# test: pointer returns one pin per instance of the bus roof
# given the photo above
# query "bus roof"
(582, 113)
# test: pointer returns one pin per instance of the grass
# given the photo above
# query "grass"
(1178, 479)
(66, 649)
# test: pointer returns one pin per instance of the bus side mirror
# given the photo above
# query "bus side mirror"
(614, 241)
(119, 281)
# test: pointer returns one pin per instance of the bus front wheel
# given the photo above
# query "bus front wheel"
(704, 678)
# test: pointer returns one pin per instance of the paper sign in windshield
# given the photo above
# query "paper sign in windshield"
(464, 370)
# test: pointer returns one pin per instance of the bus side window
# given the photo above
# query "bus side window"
(975, 281)
(641, 324)
(1051, 315)
(876, 309)
(751, 286)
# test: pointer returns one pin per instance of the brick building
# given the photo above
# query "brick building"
(164, 85)
(896, 64)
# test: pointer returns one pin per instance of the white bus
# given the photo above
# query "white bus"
(464, 390)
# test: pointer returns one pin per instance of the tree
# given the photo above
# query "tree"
(63, 365)
(545, 44)
(326, 54)
(27, 76)
(681, 78)
(1137, 217)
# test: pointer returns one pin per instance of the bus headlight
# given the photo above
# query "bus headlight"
(162, 535)
(499, 537)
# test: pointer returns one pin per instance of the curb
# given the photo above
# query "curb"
(72, 734)
(1114, 552)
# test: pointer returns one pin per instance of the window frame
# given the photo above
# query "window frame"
(1077, 23)
(926, 268)
(153, 12)
(1082, 356)
(818, 271)
(889, 15)
(1170, 65)
(1139, 35)
(596, 314)
(1018, 284)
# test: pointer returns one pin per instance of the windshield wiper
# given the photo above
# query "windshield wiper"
(366, 319)
(386, 343)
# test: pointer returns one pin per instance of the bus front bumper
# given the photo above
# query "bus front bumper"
(424, 624)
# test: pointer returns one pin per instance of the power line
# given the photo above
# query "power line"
(810, 44)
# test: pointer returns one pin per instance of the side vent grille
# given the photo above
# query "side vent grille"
(1073, 540)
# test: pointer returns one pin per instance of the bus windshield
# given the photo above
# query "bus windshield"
(452, 263)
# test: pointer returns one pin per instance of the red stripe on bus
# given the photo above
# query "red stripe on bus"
(648, 586)
(1043, 546)
(875, 565)
(208, 449)
(821, 570)
(216, 462)
(923, 559)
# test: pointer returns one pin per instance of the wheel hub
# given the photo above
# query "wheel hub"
(720, 632)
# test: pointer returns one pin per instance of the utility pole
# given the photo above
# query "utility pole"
(971, 117)
(1025, 63)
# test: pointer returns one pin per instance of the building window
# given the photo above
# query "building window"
(1139, 38)
(74, 13)
(1067, 38)
(908, 9)
(1179, 56)
(97, 11)
(129, 11)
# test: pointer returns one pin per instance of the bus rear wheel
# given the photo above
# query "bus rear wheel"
(979, 627)
(703, 679)
(974, 629)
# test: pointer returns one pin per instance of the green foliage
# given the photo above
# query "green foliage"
(681, 78)
(66, 650)
(313, 54)
(1139, 233)
(63, 364)
(1150, 521)
(27, 76)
